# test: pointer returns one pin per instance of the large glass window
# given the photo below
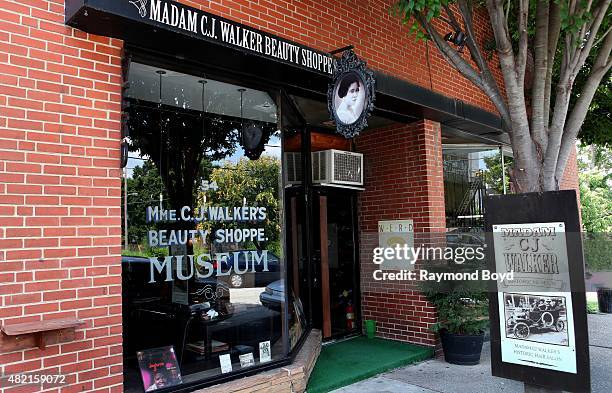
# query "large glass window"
(203, 264)
(472, 171)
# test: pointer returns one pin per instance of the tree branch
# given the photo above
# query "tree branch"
(554, 31)
(523, 41)
(466, 14)
(572, 62)
(461, 65)
(465, 8)
(581, 13)
(540, 47)
(585, 49)
(603, 36)
(555, 132)
(587, 26)
(526, 166)
(602, 65)
(571, 47)
(504, 51)
(572, 6)
(514, 92)
(453, 22)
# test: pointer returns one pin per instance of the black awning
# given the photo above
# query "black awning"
(192, 35)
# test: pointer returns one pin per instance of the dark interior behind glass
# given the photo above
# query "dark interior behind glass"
(217, 289)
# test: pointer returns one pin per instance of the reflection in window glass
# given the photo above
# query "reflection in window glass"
(203, 272)
(471, 172)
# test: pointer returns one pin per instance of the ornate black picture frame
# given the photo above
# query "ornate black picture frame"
(253, 139)
(351, 72)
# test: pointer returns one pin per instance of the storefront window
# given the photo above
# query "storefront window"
(472, 171)
(203, 265)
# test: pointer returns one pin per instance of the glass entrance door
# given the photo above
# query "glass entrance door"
(336, 263)
(321, 236)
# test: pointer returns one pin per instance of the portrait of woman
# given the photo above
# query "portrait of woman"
(159, 368)
(349, 98)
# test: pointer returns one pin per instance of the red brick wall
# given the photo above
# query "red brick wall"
(570, 179)
(403, 180)
(378, 37)
(570, 176)
(60, 181)
(60, 207)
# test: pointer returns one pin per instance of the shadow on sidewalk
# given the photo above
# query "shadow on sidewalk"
(438, 376)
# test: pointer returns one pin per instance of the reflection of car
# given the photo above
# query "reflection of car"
(136, 273)
(274, 295)
(457, 239)
(253, 277)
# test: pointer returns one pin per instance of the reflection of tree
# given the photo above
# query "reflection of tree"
(256, 181)
(143, 190)
(178, 142)
(493, 173)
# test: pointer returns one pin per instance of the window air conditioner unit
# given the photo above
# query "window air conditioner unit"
(292, 168)
(337, 167)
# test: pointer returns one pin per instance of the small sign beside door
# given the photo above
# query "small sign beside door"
(392, 233)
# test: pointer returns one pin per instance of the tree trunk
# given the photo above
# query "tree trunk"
(542, 137)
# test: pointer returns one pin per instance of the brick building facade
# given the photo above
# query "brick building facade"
(60, 176)
(60, 187)
(400, 160)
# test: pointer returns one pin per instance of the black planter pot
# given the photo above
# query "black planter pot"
(604, 297)
(462, 349)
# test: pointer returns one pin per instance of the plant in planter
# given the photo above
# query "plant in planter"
(463, 317)
(463, 309)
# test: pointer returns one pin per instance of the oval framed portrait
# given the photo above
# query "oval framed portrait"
(350, 97)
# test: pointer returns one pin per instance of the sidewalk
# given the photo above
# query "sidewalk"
(437, 376)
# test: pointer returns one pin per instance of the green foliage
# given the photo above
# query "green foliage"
(596, 201)
(460, 312)
(592, 307)
(597, 248)
(595, 175)
(573, 22)
(493, 173)
(146, 252)
(407, 10)
(143, 189)
(463, 306)
(257, 183)
(595, 163)
(597, 126)
(595, 157)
